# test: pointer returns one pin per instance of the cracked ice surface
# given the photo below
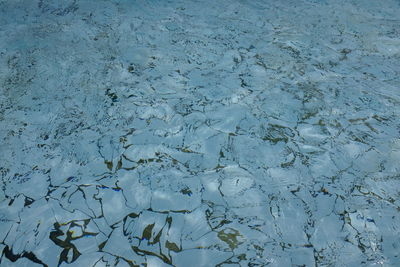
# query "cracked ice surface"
(199, 133)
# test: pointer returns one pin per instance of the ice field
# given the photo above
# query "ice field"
(199, 133)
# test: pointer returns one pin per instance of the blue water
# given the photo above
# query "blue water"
(199, 133)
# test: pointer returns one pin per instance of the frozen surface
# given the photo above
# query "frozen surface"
(200, 133)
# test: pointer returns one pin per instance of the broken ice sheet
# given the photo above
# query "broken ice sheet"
(216, 132)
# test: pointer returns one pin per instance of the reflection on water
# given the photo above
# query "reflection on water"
(199, 133)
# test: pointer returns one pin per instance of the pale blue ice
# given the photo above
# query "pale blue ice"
(199, 133)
